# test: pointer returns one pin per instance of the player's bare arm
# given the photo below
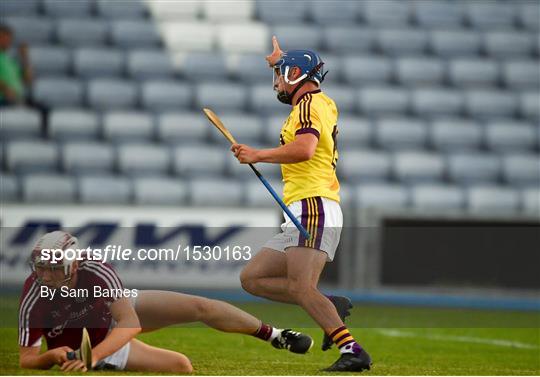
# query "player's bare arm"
(31, 358)
(300, 150)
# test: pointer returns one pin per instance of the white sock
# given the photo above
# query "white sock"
(275, 334)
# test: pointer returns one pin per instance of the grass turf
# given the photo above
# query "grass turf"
(401, 341)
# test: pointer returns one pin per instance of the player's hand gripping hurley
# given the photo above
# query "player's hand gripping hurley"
(219, 125)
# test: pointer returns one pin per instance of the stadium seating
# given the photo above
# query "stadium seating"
(402, 133)
(106, 94)
(50, 60)
(143, 159)
(44, 156)
(159, 191)
(98, 62)
(164, 95)
(87, 158)
(59, 8)
(202, 192)
(381, 196)
(221, 96)
(104, 189)
(125, 126)
(9, 188)
(192, 160)
(364, 165)
(71, 123)
(492, 199)
(144, 64)
(48, 188)
(437, 197)
(20, 123)
(452, 134)
(121, 9)
(467, 168)
(412, 167)
(181, 128)
(82, 32)
(134, 33)
(58, 91)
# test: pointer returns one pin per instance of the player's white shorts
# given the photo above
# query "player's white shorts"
(322, 218)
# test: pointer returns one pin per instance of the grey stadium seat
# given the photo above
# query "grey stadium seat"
(520, 74)
(530, 201)
(332, 63)
(528, 105)
(121, 9)
(400, 133)
(263, 100)
(364, 165)
(83, 157)
(244, 172)
(300, 36)
(50, 59)
(490, 103)
(182, 128)
(344, 39)
(508, 43)
(143, 159)
(365, 69)
(472, 167)
(521, 169)
(354, 132)
(219, 11)
(45, 188)
(437, 101)
(96, 62)
(134, 33)
(402, 41)
(243, 37)
(473, 72)
(258, 196)
(455, 134)
(385, 13)
(246, 129)
(25, 156)
(258, 69)
(198, 66)
(197, 160)
(381, 196)
(58, 91)
(491, 15)
(143, 64)
(458, 42)
(417, 166)
(343, 96)
(281, 11)
(32, 30)
(202, 192)
(18, 7)
(159, 191)
(19, 122)
(383, 100)
(61, 8)
(419, 71)
(437, 197)
(528, 15)
(336, 12)
(124, 126)
(9, 188)
(111, 93)
(73, 124)
(272, 128)
(507, 135)
(187, 35)
(165, 95)
(221, 96)
(82, 32)
(438, 14)
(492, 199)
(105, 189)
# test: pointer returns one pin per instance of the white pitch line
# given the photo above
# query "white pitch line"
(457, 338)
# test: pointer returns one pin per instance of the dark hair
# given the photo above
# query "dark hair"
(5, 29)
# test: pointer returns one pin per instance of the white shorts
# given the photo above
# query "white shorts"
(321, 217)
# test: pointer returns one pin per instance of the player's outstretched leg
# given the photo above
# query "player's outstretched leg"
(343, 305)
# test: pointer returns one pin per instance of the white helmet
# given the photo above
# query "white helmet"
(53, 241)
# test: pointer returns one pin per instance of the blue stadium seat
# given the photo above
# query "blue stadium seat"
(429, 196)
(528, 105)
(491, 15)
(9, 188)
(256, 195)
(159, 191)
(221, 96)
(31, 30)
(438, 14)
(344, 39)
(202, 192)
(383, 100)
(508, 44)
(419, 70)
(281, 11)
(437, 101)
(98, 62)
(490, 199)
(61, 8)
(473, 72)
(258, 68)
(144, 64)
(354, 132)
(58, 91)
(105, 189)
(386, 12)
(343, 96)
(18, 7)
(50, 59)
(182, 127)
(243, 37)
(528, 15)
(298, 36)
(126, 126)
(402, 41)
(364, 165)
(199, 160)
(31, 156)
(69, 124)
(121, 9)
(521, 74)
(111, 93)
(246, 129)
(48, 188)
(340, 12)
(530, 201)
(381, 196)
(198, 66)
(505, 135)
(447, 43)
(20, 123)
(84, 157)
(165, 95)
(363, 69)
(418, 166)
(468, 168)
(455, 134)
(82, 32)
(134, 33)
(143, 159)
(400, 133)
(490, 103)
(521, 169)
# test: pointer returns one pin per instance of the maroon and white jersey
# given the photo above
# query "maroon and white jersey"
(61, 320)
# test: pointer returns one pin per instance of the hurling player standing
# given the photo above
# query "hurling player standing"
(288, 267)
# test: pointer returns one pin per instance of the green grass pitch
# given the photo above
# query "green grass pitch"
(401, 341)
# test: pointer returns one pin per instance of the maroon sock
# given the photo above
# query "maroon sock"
(264, 332)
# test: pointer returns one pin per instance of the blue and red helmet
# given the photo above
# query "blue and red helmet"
(309, 62)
